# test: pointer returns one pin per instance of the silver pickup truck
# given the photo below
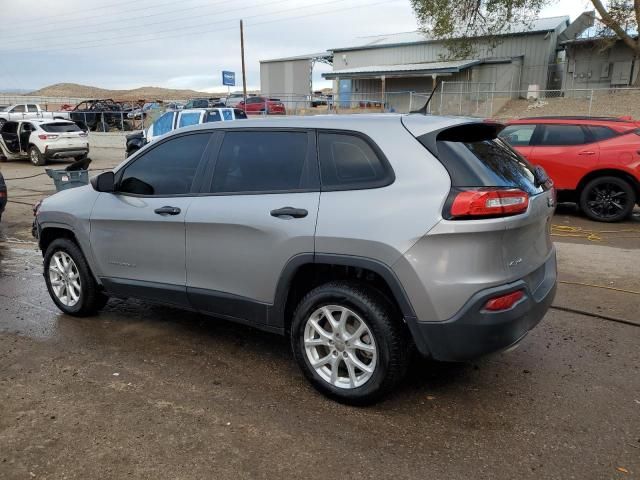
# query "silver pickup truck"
(29, 111)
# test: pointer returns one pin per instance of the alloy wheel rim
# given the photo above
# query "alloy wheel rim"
(607, 200)
(34, 156)
(65, 279)
(340, 347)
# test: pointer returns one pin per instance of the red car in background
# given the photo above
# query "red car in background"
(259, 105)
(593, 161)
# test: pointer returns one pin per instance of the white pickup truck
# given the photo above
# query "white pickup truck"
(29, 111)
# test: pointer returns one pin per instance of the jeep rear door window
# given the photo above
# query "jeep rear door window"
(563, 135)
(167, 169)
(518, 135)
(348, 161)
(254, 161)
(61, 127)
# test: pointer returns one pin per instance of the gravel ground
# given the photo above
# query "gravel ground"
(608, 104)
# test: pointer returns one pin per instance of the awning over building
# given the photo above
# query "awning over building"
(405, 70)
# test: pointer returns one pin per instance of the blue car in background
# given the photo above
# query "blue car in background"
(174, 119)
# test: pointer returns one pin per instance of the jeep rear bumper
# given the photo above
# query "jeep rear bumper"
(474, 331)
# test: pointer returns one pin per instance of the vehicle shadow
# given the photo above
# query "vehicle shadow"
(165, 333)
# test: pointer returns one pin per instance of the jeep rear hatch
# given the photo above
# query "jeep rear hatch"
(497, 199)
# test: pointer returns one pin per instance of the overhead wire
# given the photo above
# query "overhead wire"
(48, 19)
(232, 27)
(137, 19)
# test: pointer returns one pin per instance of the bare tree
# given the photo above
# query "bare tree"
(457, 22)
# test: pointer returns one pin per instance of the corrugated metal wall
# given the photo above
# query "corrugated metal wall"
(589, 67)
(538, 51)
(290, 77)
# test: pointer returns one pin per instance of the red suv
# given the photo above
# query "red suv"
(270, 106)
(593, 161)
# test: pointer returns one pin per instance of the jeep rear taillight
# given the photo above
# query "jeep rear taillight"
(476, 203)
(47, 137)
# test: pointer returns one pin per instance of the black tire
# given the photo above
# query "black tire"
(91, 298)
(607, 199)
(385, 323)
(35, 156)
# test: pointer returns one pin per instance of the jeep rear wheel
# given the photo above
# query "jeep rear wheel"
(349, 342)
(36, 158)
(607, 199)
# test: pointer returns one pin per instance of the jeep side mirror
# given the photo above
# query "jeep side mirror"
(105, 182)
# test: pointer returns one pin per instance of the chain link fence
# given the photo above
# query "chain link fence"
(480, 100)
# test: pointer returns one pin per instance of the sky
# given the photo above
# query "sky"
(187, 43)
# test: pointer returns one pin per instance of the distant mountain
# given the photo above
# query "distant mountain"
(142, 93)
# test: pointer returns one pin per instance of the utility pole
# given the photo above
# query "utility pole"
(244, 76)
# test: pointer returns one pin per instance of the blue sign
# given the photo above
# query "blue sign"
(229, 78)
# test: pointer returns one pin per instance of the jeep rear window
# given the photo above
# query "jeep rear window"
(60, 127)
(474, 156)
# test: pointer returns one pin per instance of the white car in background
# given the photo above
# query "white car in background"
(234, 99)
(42, 140)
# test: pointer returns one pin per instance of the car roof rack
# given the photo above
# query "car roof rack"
(579, 117)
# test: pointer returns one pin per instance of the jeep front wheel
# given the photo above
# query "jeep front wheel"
(69, 280)
(349, 342)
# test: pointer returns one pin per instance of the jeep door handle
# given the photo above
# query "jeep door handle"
(587, 152)
(167, 211)
(289, 212)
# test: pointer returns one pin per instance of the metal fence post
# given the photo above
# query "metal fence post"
(590, 102)
(410, 101)
(491, 104)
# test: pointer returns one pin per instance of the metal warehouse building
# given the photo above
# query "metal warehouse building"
(401, 69)
(412, 62)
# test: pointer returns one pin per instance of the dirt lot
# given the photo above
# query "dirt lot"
(604, 103)
(142, 391)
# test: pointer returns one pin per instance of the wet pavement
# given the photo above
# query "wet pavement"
(145, 391)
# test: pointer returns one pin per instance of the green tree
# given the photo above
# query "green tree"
(458, 21)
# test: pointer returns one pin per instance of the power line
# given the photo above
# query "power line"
(57, 47)
(47, 21)
(74, 30)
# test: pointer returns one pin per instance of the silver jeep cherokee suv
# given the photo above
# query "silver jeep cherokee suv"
(361, 237)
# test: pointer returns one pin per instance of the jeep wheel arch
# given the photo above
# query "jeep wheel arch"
(324, 267)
